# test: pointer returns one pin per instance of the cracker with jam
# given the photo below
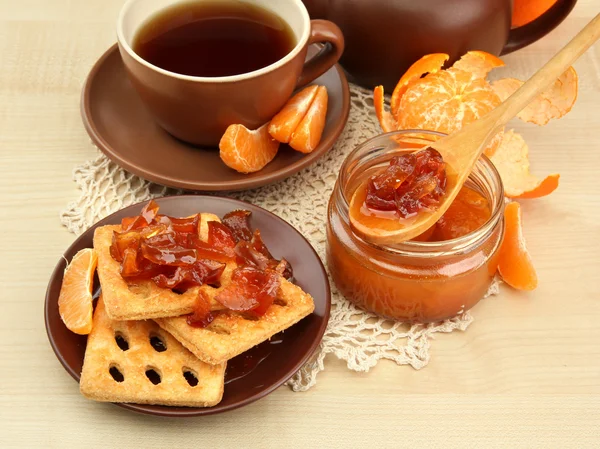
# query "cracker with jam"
(180, 297)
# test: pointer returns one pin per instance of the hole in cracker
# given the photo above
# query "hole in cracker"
(190, 376)
(158, 343)
(280, 302)
(116, 373)
(122, 343)
(153, 375)
(177, 291)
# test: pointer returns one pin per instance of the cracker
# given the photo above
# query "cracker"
(103, 353)
(230, 334)
(145, 300)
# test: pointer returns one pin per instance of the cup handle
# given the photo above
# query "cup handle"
(524, 35)
(322, 31)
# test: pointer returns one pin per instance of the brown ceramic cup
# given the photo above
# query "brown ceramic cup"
(199, 109)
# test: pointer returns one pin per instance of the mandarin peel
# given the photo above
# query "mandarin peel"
(478, 63)
(553, 103)
(511, 159)
(386, 119)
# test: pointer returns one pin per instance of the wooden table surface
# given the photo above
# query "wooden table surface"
(525, 373)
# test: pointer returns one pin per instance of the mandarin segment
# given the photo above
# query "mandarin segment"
(247, 151)
(75, 298)
(512, 162)
(307, 134)
(553, 103)
(427, 64)
(287, 120)
(515, 265)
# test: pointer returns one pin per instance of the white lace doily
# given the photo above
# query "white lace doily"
(359, 338)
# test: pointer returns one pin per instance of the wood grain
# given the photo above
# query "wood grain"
(526, 373)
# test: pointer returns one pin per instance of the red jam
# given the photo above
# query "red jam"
(412, 182)
(169, 251)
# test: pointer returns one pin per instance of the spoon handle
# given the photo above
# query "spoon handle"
(545, 76)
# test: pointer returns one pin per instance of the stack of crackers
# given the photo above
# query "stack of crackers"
(142, 350)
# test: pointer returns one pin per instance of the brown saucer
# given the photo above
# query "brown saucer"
(251, 375)
(123, 129)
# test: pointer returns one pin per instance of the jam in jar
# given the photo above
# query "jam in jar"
(440, 274)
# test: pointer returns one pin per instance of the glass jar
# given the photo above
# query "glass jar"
(411, 281)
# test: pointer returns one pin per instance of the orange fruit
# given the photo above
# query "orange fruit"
(512, 162)
(247, 151)
(287, 120)
(427, 97)
(553, 103)
(515, 265)
(307, 134)
(525, 11)
(75, 298)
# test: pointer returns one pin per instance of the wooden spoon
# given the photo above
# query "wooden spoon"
(462, 149)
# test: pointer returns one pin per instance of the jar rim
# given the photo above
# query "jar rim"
(415, 248)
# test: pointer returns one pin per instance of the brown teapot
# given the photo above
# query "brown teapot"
(384, 37)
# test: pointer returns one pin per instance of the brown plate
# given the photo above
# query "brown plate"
(123, 129)
(251, 375)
